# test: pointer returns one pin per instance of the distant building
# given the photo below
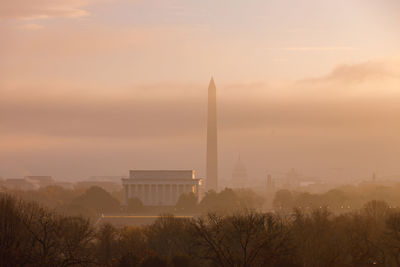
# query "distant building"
(374, 177)
(292, 179)
(270, 185)
(19, 184)
(40, 181)
(160, 187)
(239, 175)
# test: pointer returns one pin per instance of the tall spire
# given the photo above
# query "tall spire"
(212, 143)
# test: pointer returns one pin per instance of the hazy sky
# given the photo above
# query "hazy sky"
(98, 87)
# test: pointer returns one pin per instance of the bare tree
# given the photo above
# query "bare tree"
(247, 239)
(76, 242)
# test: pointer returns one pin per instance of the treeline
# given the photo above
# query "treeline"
(90, 202)
(339, 200)
(228, 200)
(35, 236)
(94, 201)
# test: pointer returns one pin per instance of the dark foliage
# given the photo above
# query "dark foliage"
(96, 198)
(135, 205)
(35, 236)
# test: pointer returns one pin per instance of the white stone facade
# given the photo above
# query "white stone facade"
(160, 187)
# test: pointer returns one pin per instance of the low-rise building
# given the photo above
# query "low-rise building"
(40, 181)
(160, 187)
(19, 184)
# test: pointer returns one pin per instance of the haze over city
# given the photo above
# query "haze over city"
(199, 133)
(101, 87)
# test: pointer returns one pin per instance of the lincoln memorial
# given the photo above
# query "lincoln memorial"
(160, 187)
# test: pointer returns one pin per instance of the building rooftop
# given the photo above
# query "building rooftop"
(162, 174)
(19, 183)
(43, 178)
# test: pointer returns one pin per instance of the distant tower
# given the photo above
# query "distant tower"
(269, 181)
(239, 175)
(270, 184)
(212, 150)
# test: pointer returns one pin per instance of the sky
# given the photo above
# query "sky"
(98, 87)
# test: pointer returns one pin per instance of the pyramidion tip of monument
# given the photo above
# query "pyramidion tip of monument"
(212, 83)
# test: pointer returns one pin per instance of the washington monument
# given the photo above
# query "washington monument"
(212, 151)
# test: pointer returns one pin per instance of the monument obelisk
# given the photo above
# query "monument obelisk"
(212, 150)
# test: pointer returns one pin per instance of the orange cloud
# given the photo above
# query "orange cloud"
(381, 72)
(41, 9)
